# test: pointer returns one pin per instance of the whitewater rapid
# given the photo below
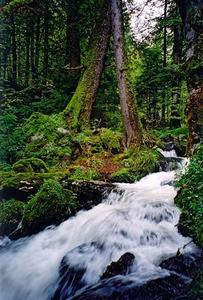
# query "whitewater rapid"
(139, 218)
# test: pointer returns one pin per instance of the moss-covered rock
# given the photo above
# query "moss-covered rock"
(30, 165)
(125, 175)
(82, 173)
(51, 205)
(136, 163)
(190, 198)
(11, 213)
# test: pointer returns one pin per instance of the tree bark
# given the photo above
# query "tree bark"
(37, 46)
(14, 52)
(175, 119)
(79, 109)
(132, 125)
(163, 112)
(192, 15)
(46, 42)
(27, 62)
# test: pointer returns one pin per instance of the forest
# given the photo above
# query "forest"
(101, 156)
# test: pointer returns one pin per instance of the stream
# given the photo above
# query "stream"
(138, 218)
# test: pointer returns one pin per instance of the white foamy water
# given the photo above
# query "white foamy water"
(142, 220)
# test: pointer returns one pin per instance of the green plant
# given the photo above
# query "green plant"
(11, 212)
(111, 140)
(190, 197)
(30, 165)
(51, 205)
(82, 173)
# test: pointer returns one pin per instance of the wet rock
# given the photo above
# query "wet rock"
(120, 267)
(167, 288)
(186, 265)
(89, 193)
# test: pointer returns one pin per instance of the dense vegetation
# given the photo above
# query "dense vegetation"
(83, 101)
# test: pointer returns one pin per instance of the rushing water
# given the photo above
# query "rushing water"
(140, 218)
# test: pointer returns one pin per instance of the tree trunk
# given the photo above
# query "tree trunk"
(192, 15)
(132, 125)
(14, 53)
(37, 46)
(79, 109)
(175, 119)
(163, 112)
(32, 48)
(27, 62)
(46, 42)
(73, 38)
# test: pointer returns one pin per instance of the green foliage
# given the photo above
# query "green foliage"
(136, 163)
(111, 140)
(15, 3)
(190, 197)
(125, 175)
(165, 133)
(12, 138)
(30, 165)
(81, 173)
(50, 205)
(11, 213)
(48, 138)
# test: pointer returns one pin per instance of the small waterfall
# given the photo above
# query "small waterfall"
(139, 218)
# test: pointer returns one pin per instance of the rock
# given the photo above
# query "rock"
(116, 288)
(120, 267)
(63, 131)
(89, 193)
(186, 265)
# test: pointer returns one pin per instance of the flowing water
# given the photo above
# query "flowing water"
(140, 218)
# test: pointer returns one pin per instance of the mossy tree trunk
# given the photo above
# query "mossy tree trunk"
(132, 125)
(192, 15)
(79, 109)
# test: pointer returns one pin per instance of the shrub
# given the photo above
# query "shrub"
(81, 173)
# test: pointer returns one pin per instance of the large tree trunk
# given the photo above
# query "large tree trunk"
(192, 15)
(79, 109)
(132, 125)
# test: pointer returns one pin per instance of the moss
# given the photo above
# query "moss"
(190, 198)
(11, 213)
(125, 175)
(30, 165)
(51, 205)
(48, 139)
(111, 140)
(82, 173)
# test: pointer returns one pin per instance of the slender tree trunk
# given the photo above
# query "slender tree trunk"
(73, 38)
(192, 15)
(163, 117)
(27, 62)
(46, 42)
(14, 52)
(79, 109)
(32, 49)
(132, 125)
(37, 46)
(175, 119)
